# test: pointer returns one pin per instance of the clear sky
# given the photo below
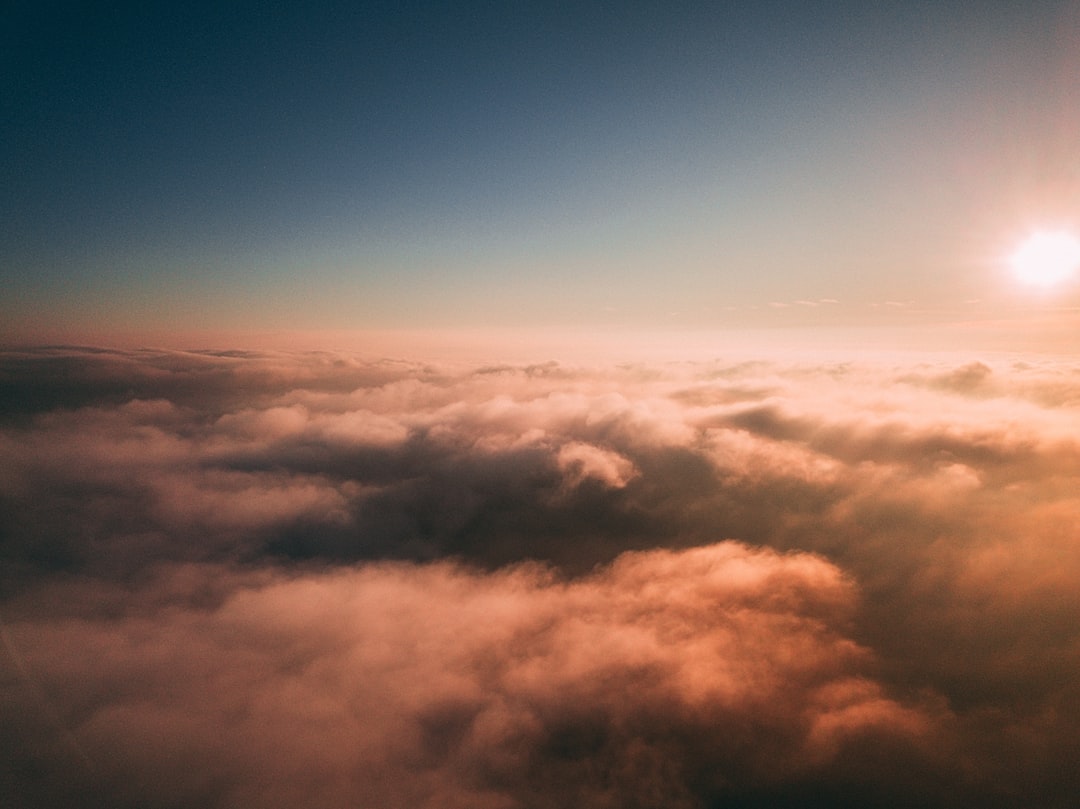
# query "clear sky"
(413, 165)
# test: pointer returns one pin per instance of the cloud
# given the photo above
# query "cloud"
(580, 462)
(476, 577)
(666, 679)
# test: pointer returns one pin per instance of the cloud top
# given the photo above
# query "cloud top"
(661, 680)
(236, 579)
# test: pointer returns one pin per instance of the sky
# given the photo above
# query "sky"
(261, 168)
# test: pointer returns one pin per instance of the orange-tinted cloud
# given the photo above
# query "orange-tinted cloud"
(915, 520)
(669, 678)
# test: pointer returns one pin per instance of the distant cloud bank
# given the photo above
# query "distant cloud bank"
(238, 579)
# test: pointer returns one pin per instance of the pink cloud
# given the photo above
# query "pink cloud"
(579, 461)
(430, 686)
(899, 617)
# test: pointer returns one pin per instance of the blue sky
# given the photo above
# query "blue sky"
(416, 165)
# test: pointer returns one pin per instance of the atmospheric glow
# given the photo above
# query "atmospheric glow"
(1047, 258)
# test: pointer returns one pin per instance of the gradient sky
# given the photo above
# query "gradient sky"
(430, 165)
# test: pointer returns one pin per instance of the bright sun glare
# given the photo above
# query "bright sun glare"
(1046, 258)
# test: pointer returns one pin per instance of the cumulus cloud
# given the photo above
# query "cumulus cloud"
(579, 462)
(260, 576)
(666, 679)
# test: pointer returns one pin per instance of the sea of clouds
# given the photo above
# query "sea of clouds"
(277, 580)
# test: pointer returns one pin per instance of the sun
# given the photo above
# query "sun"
(1046, 258)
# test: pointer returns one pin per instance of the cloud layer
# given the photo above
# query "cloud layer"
(273, 580)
